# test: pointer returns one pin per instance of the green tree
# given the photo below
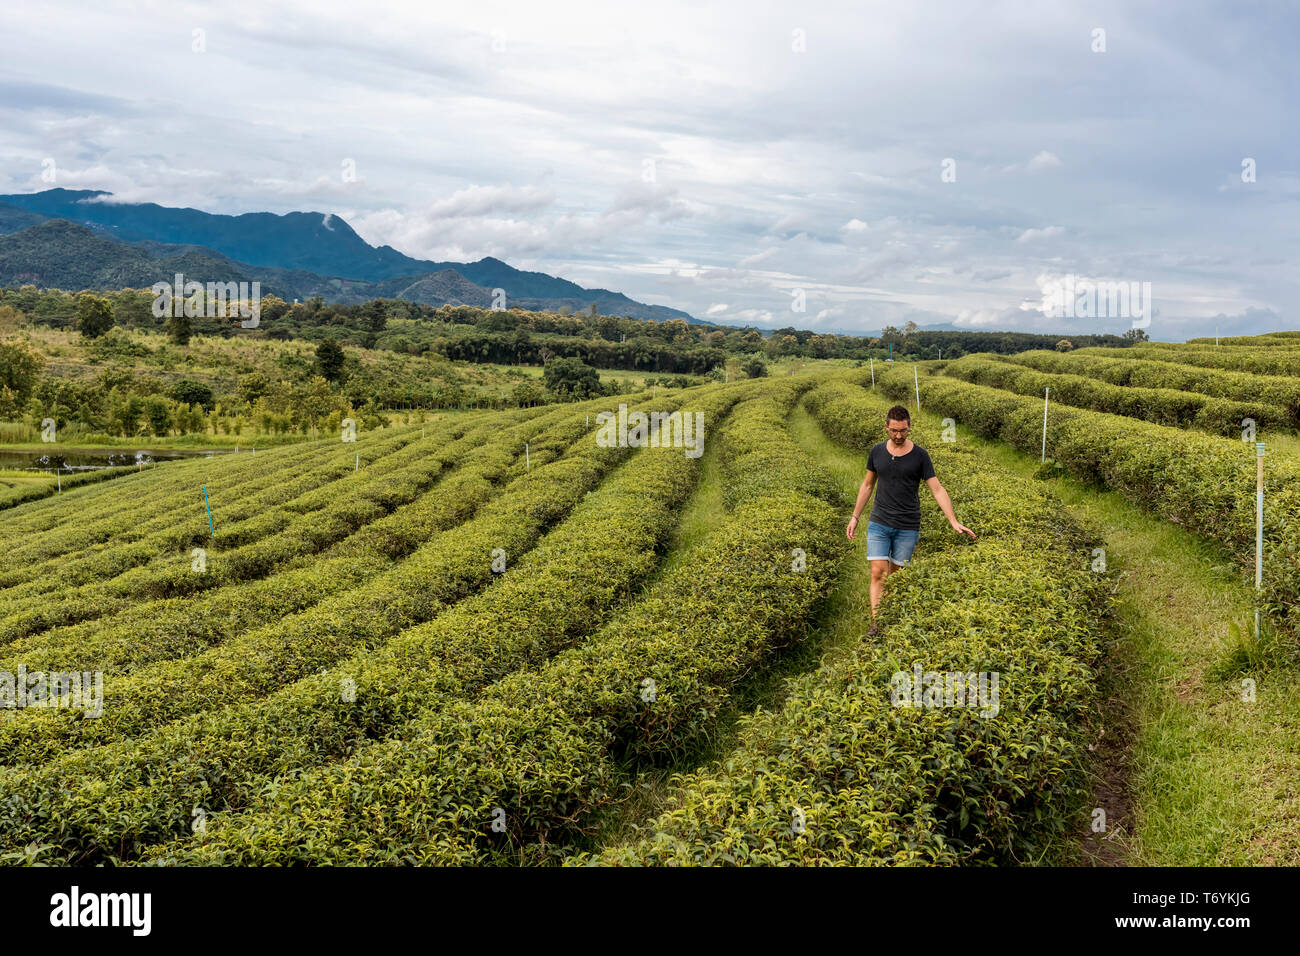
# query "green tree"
(253, 386)
(191, 392)
(1064, 345)
(94, 315)
(527, 394)
(1133, 336)
(572, 378)
(20, 371)
(10, 319)
(376, 315)
(329, 361)
(754, 368)
(126, 415)
(159, 414)
(178, 329)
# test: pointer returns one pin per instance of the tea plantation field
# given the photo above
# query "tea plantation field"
(500, 639)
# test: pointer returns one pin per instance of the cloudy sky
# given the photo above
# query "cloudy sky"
(871, 162)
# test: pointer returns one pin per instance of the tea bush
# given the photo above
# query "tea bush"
(1160, 406)
(839, 775)
(548, 746)
(228, 757)
(1202, 483)
(1219, 383)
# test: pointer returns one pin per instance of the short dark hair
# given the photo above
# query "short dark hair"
(898, 414)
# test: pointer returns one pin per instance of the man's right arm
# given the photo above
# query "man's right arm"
(864, 495)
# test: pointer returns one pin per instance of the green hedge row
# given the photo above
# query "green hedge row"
(229, 756)
(172, 574)
(291, 647)
(147, 501)
(13, 497)
(1202, 483)
(542, 752)
(1269, 340)
(1256, 361)
(270, 504)
(839, 775)
(1160, 406)
(1219, 383)
(178, 627)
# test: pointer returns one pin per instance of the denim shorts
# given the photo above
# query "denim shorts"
(892, 544)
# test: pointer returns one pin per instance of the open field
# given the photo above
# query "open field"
(490, 638)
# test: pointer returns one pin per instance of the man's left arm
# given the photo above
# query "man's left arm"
(945, 505)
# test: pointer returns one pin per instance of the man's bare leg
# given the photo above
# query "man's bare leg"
(879, 571)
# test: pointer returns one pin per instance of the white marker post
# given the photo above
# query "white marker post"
(1259, 529)
(1043, 460)
(528, 463)
(917, 382)
(357, 466)
(873, 373)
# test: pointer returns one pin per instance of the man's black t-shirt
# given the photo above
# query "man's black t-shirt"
(898, 479)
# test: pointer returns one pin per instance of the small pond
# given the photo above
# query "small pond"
(86, 459)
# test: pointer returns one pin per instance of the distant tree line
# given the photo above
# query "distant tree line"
(515, 336)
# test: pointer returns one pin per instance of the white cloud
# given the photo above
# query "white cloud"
(1041, 161)
(480, 200)
(1033, 235)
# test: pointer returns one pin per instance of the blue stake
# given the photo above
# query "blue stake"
(211, 533)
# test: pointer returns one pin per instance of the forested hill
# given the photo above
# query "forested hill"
(301, 254)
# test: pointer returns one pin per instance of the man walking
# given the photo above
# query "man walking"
(894, 525)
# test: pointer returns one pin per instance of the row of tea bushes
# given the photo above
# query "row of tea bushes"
(171, 628)
(1256, 361)
(147, 501)
(173, 575)
(1202, 483)
(13, 494)
(1268, 340)
(1218, 383)
(130, 795)
(256, 662)
(841, 775)
(1161, 406)
(541, 752)
(275, 509)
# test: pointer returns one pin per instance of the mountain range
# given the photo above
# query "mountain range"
(75, 239)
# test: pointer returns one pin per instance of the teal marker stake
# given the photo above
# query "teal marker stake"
(211, 532)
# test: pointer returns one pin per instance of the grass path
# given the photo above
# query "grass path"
(841, 622)
(1188, 772)
(1200, 776)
